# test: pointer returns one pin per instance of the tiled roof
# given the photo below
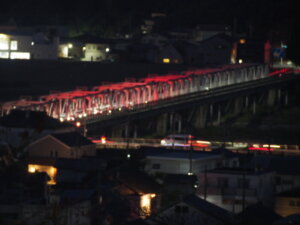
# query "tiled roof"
(208, 208)
(72, 139)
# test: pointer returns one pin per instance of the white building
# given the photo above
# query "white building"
(182, 162)
(27, 46)
(85, 48)
(235, 188)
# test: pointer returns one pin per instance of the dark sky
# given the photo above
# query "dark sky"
(260, 14)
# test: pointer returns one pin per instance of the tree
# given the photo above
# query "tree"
(293, 49)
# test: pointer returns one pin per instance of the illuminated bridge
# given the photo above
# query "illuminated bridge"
(119, 97)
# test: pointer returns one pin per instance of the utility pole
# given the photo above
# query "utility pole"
(190, 158)
(243, 189)
(205, 181)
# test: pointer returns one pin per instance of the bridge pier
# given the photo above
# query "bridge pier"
(271, 97)
(254, 106)
(200, 118)
(286, 98)
(162, 121)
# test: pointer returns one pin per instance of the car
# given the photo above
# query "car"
(178, 140)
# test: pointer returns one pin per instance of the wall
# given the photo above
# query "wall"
(49, 147)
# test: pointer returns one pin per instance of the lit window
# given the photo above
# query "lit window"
(14, 45)
(145, 203)
(3, 44)
(20, 55)
(50, 170)
(4, 55)
(242, 41)
(166, 60)
(3, 36)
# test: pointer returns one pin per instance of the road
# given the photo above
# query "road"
(238, 147)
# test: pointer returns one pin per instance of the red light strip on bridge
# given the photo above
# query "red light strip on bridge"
(261, 149)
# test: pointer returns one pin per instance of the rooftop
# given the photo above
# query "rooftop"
(294, 193)
(72, 139)
(184, 155)
(239, 170)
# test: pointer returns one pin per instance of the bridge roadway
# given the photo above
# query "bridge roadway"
(184, 101)
(237, 147)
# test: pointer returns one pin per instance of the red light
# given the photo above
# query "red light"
(260, 149)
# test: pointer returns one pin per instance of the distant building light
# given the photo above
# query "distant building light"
(19, 55)
(32, 43)
(242, 41)
(84, 48)
(14, 45)
(3, 36)
(107, 50)
(31, 169)
(70, 45)
(166, 60)
(190, 173)
(78, 124)
(240, 61)
(128, 156)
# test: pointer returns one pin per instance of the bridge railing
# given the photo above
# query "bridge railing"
(128, 95)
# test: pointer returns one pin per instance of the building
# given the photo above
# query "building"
(141, 191)
(288, 203)
(154, 48)
(20, 128)
(86, 48)
(236, 188)
(287, 170)
(257, 214)
(192, 210)
(217, 50)
(62, 145)
(181, 162)
(28, 45)
(205, 31)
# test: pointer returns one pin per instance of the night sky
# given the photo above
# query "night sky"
(259, 15)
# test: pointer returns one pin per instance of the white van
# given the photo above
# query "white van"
(179, 140)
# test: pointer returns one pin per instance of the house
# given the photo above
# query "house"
(65, 172)
(20, 194)
(142, 192)
(236, 188)
(217, 50)
(154, 48)
(287, 170)
(28, 45)
(206, 31)
(288, 202)
(181, 162)
(62, 145)
(257, 214)
(192, 210)
(19, 128)
(86, 48)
